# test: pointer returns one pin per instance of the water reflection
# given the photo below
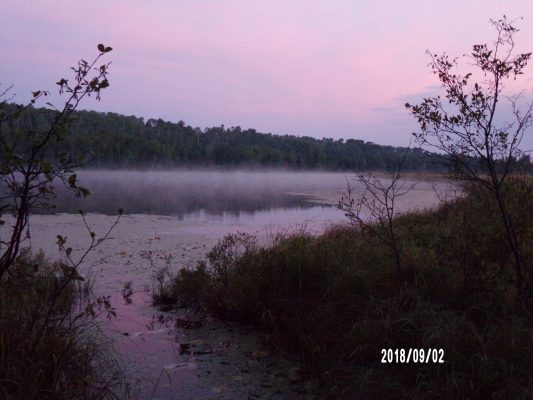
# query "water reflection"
(180, 193)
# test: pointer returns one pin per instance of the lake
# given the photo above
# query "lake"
(171, 219)
(227, 199)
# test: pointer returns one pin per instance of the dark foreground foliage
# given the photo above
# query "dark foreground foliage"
(51, 346)
(336, 300)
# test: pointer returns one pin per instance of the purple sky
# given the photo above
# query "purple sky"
(328, 68)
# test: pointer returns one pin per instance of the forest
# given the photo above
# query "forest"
(106, 139)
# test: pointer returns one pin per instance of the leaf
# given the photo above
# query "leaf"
(61, 240)
(47, 168)
(108, 49)
(84, 191)
(101, 48)
(72, 180)
(68, 251)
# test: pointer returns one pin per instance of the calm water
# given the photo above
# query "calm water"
(219, 198)
(226, 200)
(178, 216)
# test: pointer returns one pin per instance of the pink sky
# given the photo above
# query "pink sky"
(328, 68)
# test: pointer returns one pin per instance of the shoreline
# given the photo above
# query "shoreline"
(143, 244)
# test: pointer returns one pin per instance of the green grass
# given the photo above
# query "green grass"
(51, 346)
(336, 300)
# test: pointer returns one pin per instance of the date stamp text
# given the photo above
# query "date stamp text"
(405, 356)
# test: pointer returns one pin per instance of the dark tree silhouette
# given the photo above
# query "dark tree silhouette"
(29, 158)
(465, 126)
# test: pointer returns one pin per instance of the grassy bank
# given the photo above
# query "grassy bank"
(336, 300)
(51, 346)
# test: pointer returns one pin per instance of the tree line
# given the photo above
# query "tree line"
(114, 140)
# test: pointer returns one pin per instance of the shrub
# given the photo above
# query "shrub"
(51, 346)
(336, 300)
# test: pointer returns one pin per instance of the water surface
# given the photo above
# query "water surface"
(249, 199)
(172, 218)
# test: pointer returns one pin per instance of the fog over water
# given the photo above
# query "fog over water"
(215, 197)
(172, 218)
(212, 192)
(221, 197)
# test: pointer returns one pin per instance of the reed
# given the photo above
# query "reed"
(335, 301)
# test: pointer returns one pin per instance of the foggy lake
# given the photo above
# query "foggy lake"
(239, 197)
(171, 219)
(255, 198)
(182, 192)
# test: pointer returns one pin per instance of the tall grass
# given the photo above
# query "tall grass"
(51, 346)
(336, 300)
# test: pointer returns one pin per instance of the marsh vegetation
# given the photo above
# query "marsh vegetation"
(335, 300)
